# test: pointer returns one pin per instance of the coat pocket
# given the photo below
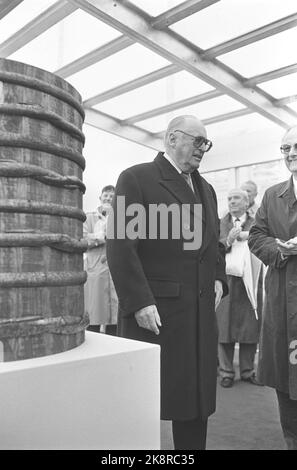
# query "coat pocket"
(163, 288)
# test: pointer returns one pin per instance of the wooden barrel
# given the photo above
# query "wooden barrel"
(41, 217)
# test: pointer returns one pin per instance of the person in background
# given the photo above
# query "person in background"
(273, 240)
(251, 188)
(167, 293)
(101, 302)
(237, 322)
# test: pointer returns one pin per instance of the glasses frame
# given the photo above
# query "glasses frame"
(198, 140)
(289, 148)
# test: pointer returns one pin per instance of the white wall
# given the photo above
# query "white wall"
(106, 156)
(242, 141)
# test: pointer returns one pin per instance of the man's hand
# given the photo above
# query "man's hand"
(244, 235)
(148, 318)
(218, 292)
(287, 248)
(233, 234)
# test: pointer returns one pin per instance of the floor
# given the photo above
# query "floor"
(246, 419)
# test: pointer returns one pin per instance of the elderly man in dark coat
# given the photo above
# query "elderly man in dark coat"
(237, 321)
(167, 291)
(273, 239)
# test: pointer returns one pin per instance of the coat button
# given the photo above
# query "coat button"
(200, 293)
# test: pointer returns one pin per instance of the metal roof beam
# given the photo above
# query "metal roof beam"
(226, 116)
(256, 35)
(114, 126)
(180, 12)
(94, 56)
(173, 106)
(37, 26)
(7, 5)
(287, 100)
(171, 46)
(132, 85)
(272, 75)
(171, 69)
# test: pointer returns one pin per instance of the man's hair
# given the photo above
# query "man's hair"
(107, 189)
(240, 191)
(252, 183)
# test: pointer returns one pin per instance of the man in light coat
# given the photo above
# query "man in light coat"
(273, 240)
(167, 293)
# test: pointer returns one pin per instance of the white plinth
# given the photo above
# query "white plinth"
(103, 394)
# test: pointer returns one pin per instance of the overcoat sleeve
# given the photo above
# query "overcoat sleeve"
(260, 241)
(122, 251)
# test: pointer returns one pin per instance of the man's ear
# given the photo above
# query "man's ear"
(171, 139)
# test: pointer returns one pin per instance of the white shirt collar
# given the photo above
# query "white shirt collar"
(295, 186)
(242, 219)
(172, 162)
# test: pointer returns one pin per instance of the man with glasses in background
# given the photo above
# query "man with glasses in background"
(168, 294)
(273, 239)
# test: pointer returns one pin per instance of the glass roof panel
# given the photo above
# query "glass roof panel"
(130, 63)
(265, 55)
(236, 18)
(207, 109)
(156, 7)
(240, 125)
(74, 36)
(178, 86)
(293, 106)
(21, 15)
(281, 87)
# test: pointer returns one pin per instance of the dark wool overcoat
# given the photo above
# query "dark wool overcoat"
(237, 321)
(277, 218)
(179, 282)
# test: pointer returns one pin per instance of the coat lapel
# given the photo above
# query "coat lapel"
(177, 186)
(174, 182)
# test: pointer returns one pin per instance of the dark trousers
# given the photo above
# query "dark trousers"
(247, 354)
(189, 435)
(288, 419)
(95, 328)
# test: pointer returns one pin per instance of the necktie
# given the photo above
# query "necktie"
(237, 222)
(188, 179)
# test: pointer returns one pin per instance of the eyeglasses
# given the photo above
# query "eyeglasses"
(286, 148)
(198, 141)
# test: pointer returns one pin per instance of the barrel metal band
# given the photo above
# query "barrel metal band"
(9, 139)
(31, 326)
(37, 112)
(42, 279)
(36, 84)
(13, 169)
(20, 205)
(53, 240)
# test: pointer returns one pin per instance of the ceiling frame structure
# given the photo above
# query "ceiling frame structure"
(136, 26)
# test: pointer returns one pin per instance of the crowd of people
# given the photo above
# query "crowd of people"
(236, 282)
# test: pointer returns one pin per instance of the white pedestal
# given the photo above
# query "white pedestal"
(103, 394)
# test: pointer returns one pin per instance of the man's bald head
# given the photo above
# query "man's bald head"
(181, 142)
